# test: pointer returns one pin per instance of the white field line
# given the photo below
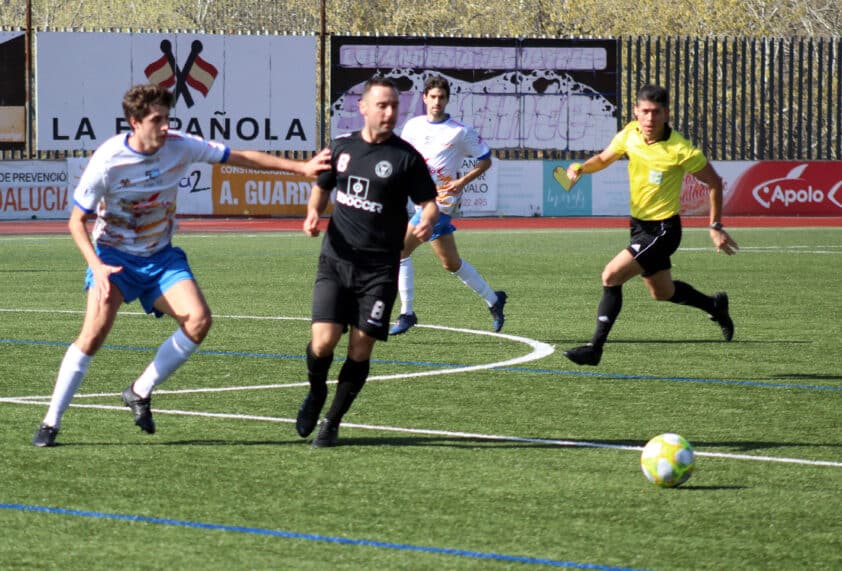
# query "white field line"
(539, 350)
(457, 435)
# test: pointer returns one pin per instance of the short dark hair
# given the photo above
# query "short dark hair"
(655, 94)
(378, 80)
(437, 82)
(140, 98)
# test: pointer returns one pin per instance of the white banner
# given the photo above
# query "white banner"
(479, 197)
(34, 189)
(252, 92)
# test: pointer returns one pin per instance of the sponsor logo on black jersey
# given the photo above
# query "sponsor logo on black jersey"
(356, 195)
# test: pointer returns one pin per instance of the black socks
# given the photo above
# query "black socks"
(352, 377)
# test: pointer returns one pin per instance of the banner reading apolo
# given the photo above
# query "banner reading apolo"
(787, 188)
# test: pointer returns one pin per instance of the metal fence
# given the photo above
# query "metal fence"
(745, 98)
(737, 98)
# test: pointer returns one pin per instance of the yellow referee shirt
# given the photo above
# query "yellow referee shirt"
(656, 171)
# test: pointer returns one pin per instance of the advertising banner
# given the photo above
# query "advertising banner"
(519, 188)
(239, 192)
(34, 189)
(784, 188)
(479, 197)
(559, 201)
(517, 93)
(250, 92)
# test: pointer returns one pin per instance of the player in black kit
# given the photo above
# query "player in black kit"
(374, 172)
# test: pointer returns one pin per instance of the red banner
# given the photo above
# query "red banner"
(797, 188)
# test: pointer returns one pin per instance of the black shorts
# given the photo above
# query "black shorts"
(653, 242)
(359, 296)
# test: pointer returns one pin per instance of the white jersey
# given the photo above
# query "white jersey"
(134, 194)
(444, 145)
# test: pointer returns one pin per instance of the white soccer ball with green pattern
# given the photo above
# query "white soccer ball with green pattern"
(667, 460)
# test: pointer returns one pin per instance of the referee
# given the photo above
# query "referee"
(374, 172)
(658, 157)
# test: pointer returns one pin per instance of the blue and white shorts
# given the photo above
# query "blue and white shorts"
(442, 228)
(144, 277)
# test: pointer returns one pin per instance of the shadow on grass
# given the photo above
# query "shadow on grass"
(811, 376)
(707, 488)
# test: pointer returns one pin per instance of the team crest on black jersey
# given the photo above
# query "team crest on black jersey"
(383, 169)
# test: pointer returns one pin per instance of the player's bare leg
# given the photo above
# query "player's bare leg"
(185, 303)
(100, 314)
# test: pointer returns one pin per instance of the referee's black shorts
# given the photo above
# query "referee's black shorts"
(653, 242)
(361, 296)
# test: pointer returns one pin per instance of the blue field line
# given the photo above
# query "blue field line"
(317, 537)
(615, 376)
(760, 384)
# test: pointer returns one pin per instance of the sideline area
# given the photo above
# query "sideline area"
(15, 227)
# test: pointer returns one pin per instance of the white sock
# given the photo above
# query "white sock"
(471, 278)
(70, 374)
(406, 285)
(171, 355)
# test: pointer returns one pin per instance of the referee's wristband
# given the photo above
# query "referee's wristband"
(717, 226)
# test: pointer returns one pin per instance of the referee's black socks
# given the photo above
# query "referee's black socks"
(351, 380)
(317, 368)
(609, 308)
(685, 294)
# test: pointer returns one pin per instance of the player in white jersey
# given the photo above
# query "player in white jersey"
(131, 183)
(444, 142)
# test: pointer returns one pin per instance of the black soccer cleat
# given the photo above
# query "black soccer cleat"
(308, 414)
(497, 310)
(141, 408)
(721, 315)
(585, 355)
(328, 435)
(45, 436)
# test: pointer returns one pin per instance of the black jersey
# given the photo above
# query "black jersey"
(372, 182)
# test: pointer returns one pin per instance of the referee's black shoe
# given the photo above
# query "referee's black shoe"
(308, 414)
(328, 434)
(721, 315)
(585, 354)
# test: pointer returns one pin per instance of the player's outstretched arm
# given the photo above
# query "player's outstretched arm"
(261, 160)
(594, 164)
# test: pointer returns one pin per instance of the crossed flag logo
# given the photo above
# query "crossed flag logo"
(196, 72)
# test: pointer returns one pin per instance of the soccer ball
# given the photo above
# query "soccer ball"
(667, 460)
